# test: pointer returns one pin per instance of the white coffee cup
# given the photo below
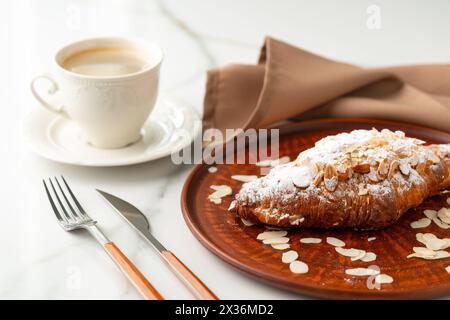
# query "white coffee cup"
(109, 109)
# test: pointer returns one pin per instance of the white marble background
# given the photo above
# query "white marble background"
(39, 260)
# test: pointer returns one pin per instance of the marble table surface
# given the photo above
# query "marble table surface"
(40, 261)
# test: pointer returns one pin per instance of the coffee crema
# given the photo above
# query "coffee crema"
(106, 62)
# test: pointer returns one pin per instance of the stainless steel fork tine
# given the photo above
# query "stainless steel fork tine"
(55, 209)
(74, 212)
(74, 198)
(67, 216)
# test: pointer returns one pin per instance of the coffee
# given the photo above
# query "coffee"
(105, 62)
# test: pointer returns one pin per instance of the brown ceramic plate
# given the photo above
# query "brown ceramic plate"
(226, 236)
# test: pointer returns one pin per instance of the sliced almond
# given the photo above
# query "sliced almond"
(335, 242)
(298, 267)
(393, 169)
(440, 223)
(212, 169)
(330, 177)
(220, 191)
(351, 253)
(310, 240)
(421, 223)
(371, 239)
(447, 269)
(279, 240)
(244, 178)
(271, 235)
(281, 246)
(361, 272)
(369, 256)
(437, 244)
(448, 201)
(318, 178)
(383, 169)
(405, 168)
(383, 278)
(361, 254)
(289, 256)
(424, 251)
(216, 200)
(444, 215)
(302, 177)
(430, 214)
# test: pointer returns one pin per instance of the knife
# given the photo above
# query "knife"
(139, 222)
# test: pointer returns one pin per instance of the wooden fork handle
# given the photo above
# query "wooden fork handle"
(188, 277)
(132, 273)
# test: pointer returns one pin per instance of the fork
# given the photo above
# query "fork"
(74, 217)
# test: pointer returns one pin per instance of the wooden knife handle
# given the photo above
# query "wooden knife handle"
(132, 273)
(188, 277)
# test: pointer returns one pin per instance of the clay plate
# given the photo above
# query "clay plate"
(226, 236)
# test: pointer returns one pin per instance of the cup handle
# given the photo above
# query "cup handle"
(52, 90)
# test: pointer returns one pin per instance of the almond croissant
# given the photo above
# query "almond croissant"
(365, 179)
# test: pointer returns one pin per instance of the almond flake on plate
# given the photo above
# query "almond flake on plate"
(310, 240)
(361, 254)
(220, 192)
(371, 239)
(289, 256)
(437, 244)
(335, 242)
(212, 169)
(440, 224)
(281, 246)
(271, 234)
(430, 214)
(298, 267)
(444, 215)
(383, 278)
(276, 240)
(244, 178)
(369, 256)
(362, 272)
(448, 267)
(351, 253)
(448, 201)
(421, 223)
(216, 200)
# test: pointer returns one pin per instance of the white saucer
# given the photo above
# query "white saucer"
(59, 139)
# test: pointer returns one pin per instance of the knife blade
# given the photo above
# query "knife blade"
(137, 220)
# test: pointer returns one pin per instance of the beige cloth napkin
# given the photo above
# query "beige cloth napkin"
(289, 81)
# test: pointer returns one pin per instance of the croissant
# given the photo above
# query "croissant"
(365, 179)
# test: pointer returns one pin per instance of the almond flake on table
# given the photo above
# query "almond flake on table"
(310, 240)
(430, 214)
(383, 278)
(279, 240)
(421, 223)
(362, 272)
(289, 256)
(369, 256)
(448, 267)
(271, 234)
(281, 246)
(212, 169)
(371, 239)
(298, 267)
(335, 242)
(247, 223)
(244, 178)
